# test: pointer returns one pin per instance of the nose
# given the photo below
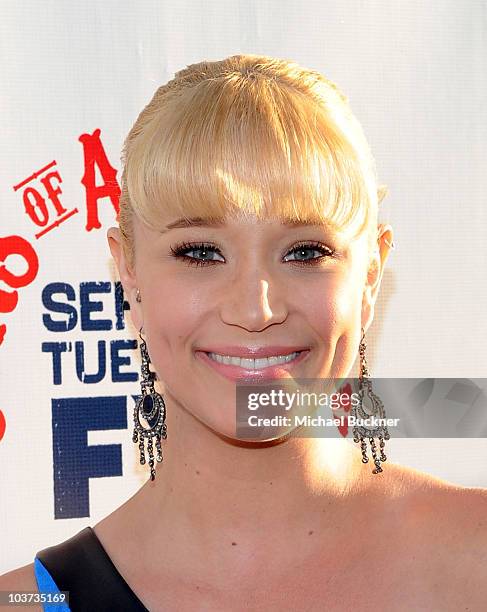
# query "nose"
(252, 303)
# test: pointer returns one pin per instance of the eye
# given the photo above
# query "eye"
(204, 253)
(302, 252)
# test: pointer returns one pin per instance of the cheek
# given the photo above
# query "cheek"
(173, 312)
(346, 329)
(334, 312)
(333, 307)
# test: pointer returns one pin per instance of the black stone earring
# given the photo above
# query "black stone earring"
(149, 413)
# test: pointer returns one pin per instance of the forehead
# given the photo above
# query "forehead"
(247, 219)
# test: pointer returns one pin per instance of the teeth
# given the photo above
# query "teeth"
(253, 364)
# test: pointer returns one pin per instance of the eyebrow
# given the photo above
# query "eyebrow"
(202, 222)
(195, 221)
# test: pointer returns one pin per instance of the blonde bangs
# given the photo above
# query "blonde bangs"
(249, 142)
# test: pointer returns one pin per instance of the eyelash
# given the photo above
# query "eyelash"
(179, 251)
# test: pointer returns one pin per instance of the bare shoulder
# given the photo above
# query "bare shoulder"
(21, 579)
(447, 521)
(464, 509)
(462, 512)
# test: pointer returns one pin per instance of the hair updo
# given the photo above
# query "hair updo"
(248, 134)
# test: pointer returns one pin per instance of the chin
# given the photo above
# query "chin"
(248, 442)
(247, 436)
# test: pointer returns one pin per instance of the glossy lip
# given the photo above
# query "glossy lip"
(234, 372)
(253, 352)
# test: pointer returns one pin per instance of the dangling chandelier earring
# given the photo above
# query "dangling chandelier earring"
(151, 408)
(374, 409)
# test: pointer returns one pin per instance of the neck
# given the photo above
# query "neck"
(219, 504)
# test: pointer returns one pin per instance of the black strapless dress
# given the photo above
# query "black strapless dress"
(82, 566)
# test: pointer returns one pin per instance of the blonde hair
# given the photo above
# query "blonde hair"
(248, 134)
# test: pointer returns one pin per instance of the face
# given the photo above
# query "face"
(248, 289)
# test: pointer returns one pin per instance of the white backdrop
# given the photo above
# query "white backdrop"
(416, 76)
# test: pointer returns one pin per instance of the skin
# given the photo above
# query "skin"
(299, 523)
(251, 297)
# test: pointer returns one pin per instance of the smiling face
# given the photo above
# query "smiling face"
(304, 291)
(260, 144)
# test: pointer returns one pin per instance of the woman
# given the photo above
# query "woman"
(248, 229)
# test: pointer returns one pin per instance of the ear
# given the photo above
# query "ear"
(127, 276)
(375, 272)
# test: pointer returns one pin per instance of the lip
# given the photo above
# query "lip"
(234, 372)
(253, 352)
